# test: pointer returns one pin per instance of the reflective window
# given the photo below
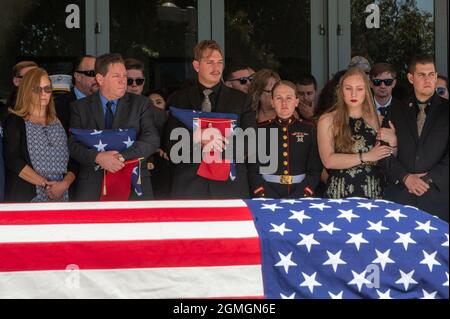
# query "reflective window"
(406, 29)
(160, 34)
(269, 34)
(37, 30)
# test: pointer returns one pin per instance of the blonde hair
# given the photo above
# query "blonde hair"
(204, 46)
(27, 99)
(343, 141)
(286, 83)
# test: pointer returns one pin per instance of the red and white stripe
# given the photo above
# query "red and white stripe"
(158, 249)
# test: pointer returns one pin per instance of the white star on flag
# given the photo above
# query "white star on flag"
(334, 260)
(338, 296)
(290, 201)
(281, 229)
(378, 227)
(285, 261)
(427, 295)
(367, 205)
(272, 207)
(339, 201)
(299, 215)
(100, 147)
(406, 279)
(308, 241)
(287, 297)
(328, 228)
(426, 227)
(446, 283)
(445, 244)
(135, 170)
(429, 260)
(384, 295)
(95, 132)
(396, 214)
(320, 206)
(310, 282)
(404, 239)
(383, 258)
(129, 142)
(359, 280)
(347, 214)
(356, 239)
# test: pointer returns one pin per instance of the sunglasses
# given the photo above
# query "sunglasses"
(139, 81)
(441, 90)
(243, 80)
(387, 82)
(88, 73)
(46, 89)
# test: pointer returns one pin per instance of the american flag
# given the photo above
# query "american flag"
(224, 169)
(351, 248)
(179, 249)
(306, 248)
(110, 140)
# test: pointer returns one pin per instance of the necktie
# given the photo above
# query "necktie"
(206, 104)
(383, 111)
(109, 116)
(421, 118)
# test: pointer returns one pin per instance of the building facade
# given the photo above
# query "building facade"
(291, 36)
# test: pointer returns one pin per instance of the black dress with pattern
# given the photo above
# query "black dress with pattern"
(365, 180)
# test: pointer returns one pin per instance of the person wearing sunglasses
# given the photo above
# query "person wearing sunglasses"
(84, 84)
(135, 76)
(38, 168)
(260, 93)
(442, 86)
(18, 72)
(239, 77)
(112, 108)
(382, 81)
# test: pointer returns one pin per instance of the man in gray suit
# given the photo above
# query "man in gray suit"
(111, 108)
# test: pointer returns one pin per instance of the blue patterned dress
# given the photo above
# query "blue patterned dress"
(49, 154)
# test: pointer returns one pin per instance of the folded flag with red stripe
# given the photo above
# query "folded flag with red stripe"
(116, 186)
(305, 248)
(215, 167)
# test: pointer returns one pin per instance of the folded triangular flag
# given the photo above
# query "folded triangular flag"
(215, 168)
(117, 186)
(110, 140)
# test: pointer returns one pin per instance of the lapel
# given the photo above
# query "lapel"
(224, 101)
(431, 117)
(122, 111)
(194, 97)
(96, 108)
(411, 118)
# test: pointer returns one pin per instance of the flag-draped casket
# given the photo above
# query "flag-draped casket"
(308, 248)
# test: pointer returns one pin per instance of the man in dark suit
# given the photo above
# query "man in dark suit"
(84, 84)
(209, 94)
(111, 108)
(419, 174)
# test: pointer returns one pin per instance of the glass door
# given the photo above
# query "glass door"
(49, 32)
(392, 31)
(160, 34)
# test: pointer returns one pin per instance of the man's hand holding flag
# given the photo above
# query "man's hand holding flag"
(120, 175)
